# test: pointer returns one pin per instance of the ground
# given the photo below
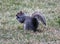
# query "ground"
(11, 31)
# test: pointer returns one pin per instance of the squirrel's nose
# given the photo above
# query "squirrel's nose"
(16, 15)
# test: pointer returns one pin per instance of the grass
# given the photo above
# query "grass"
(11, 31)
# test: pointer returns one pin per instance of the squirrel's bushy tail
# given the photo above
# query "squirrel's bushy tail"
(39, 17)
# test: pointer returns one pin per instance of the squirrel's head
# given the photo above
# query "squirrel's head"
(20, 17)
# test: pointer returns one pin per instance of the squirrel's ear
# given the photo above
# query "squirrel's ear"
(21, 12)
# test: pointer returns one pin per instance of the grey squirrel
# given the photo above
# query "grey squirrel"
(30, 23)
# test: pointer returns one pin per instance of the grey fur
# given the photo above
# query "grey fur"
(30, 23)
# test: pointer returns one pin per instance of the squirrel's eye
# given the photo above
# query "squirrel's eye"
(17, 17)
